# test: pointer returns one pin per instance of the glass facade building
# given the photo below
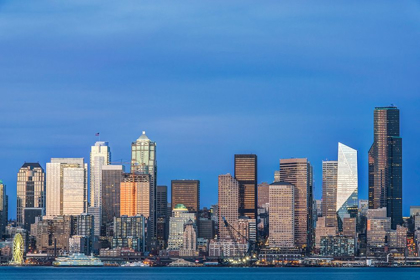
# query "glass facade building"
(329, 192)
(30, 189)
(186, 192)
(112, 176)
(246, 175)
(385, 164)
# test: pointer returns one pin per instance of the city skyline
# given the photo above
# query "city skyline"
(296, 77)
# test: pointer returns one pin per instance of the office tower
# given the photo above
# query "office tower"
(282, 215)
(112, 176)
(30, 215)
(189, 240)
(385, 164)
(161, 213)
(228, 205)
(347, 183)
(30, 189)
(135, 195)
(143, 159)
(246, 175)
(349, 227)
(129, 232)
(263, 195)
(186, 192)
(298, 172)
(66, 191)
(378, 227)
(3, 209)
(205, 228)
(329, 192)
(180, 217)
(322, 230)
(100, 155)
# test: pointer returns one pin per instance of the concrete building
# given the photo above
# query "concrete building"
(129, 232)
(227, 248)
(282, 215)
(135, 195)
(263, 195)
(329, 192)
(298, 172)
(66, 191)
(180, 217)
(228, 205)
(322, 230)
(189, 243)
(338, 247)
(3, 209)
(30, 190)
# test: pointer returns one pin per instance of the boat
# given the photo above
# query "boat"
(135, 264)
(77, 259)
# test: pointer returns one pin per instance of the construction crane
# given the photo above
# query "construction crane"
(251, 254)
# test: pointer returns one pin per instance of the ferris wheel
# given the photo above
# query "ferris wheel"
(18, 247)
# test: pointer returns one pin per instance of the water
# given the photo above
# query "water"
(207, 273)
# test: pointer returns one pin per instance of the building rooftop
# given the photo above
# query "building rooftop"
(143, 137)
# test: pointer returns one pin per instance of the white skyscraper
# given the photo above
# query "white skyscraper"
(100, 155)
(66, 191)
(347, 181)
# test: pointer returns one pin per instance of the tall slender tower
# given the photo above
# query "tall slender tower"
(143, 160)
(30, 190)
(385, 164)
(228, 205)
(246, 175)
(3, 209)
(112, 177)
(66, 188)
(347, 184)
(329, 192)
(298, 172)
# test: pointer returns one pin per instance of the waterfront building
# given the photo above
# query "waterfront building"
(378, 227)
(112, 176)
(129, 232)
(322, 230)
(247, 229)
(180, 217)
(338, 247)
(228, 205)
(186, 192)
(30, 191)
(66, 188)
(385, 164)
(246, 175)
(329, 192)
(298, 172)
(143, 160)
(227, 248)
(398, 238)
(79, 244)
(263, 195)
(282, 215)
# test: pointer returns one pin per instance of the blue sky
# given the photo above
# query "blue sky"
(206, 80)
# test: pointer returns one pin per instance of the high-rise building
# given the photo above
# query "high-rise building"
(282, 215)
(180, 217)
(347, 183)
(100, 155)
(3, 209)
(162, 217)
(30, 189)
(385, 164)
(143, 159)
(129, 232)
(263, 194)
(66, 191)
(186, 192)
(246, 175)
(112, 176)
(329, 193)
(298, 172)
(228, 205)
(135, 197)
(189, 242)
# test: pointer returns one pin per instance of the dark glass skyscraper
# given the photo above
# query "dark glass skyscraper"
(385, 164)
(246, 175)
(186, 192)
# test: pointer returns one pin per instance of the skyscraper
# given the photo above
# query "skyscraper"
(385, 164)
(228, 205)
(298, 172)
(329, 193)
(246, 175)
(135, 195)
(162, 224)
(3, 209)
(282, 215)
(30, 189)
(143, 159)
(347, 183)
(100, 156)
(186, 192)
(263, 194)
(66, 191)
(112, 176)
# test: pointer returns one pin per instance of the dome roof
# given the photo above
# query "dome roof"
(180, 207)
